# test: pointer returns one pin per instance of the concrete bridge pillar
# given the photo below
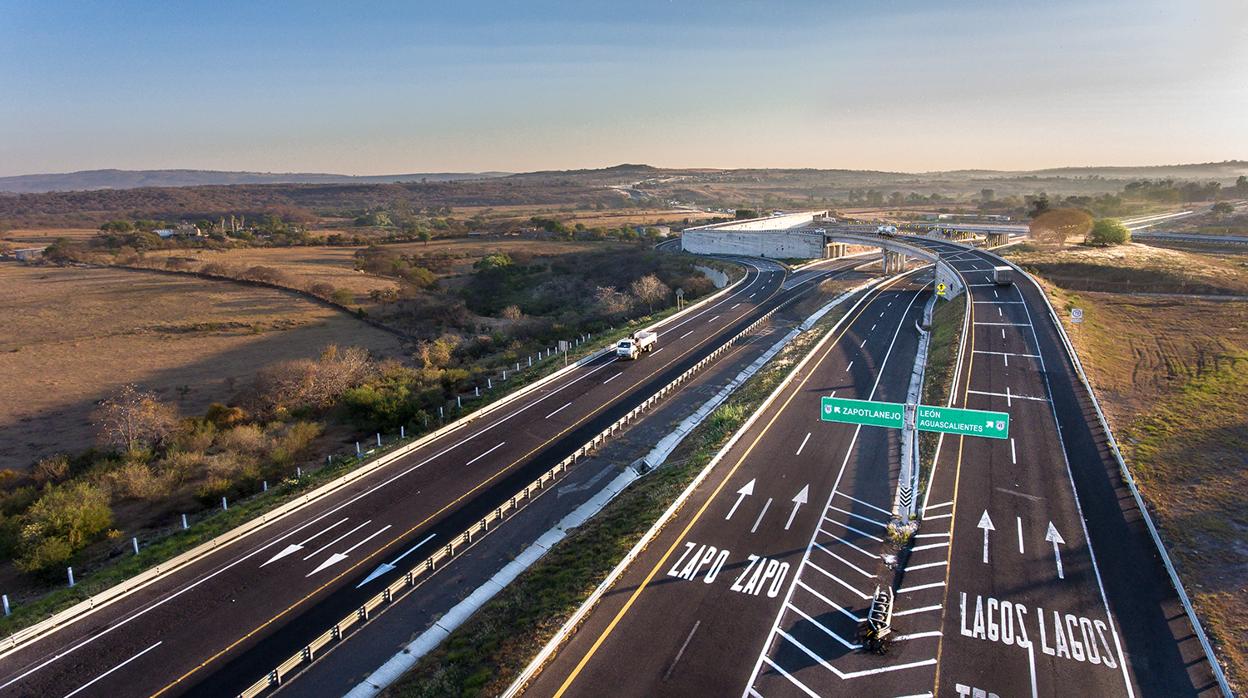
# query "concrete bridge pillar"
(834, 250)
(995, 239)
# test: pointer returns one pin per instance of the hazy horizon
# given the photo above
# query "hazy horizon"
(390, 89)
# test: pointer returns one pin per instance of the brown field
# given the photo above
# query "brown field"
(1171, 372)
(72, 336)
(45, 236)
(304, 265)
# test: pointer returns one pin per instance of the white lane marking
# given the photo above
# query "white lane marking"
(837, 579)
(799, 448)
(681, 653)
(761, 514)
(829, 602)
(1002, 333)
(864, 343)
(713, 319)
(939, 516)
(332, 542)
(859, 516)
(999, 313)
(559, 410)
(912, 568)
(746, 490)
(613, 378)
(686, 334)
(1004, 324)
(824, 628)
(916, 636)
(932, 535)
(1013, 455)
(856, 568)
(881, 314)
(847, 674)
(999, 302)
(861, 533)
(799, 499)
(85, 685)
(734, 306)
(753, 294)
(483, 455)
(1007, 353)
(792, 679)
(1122, 662)
(851, 365)
(656, 351)
(1019, 519)
(872, 328)
(866, 504)
(929, 546)
(907, 590)
(911, 611)
(1009, 396)
(296, 547)
(339, 557)
(845, 542)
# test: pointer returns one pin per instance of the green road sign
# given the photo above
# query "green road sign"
(951, 420)
(875, 414)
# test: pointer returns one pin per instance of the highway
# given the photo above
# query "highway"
(222, 622)
(794, 505)
(1031, 574)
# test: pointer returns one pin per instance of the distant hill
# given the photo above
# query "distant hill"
(89, 180)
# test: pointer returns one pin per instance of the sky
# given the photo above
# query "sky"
(385, 88)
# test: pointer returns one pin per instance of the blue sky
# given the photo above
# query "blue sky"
(412, 87)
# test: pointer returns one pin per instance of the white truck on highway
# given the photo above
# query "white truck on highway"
(886, 230)
(1003, 275)
(640, 341)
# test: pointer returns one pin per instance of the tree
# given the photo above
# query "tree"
(424, 236)
(650, 290)
(987, 195)
(134, 419)
(1037, 205)
(1223, 208)
(1241, 186)
(1109, 231)
(611, 302)
(1053, 228)
(60, 523)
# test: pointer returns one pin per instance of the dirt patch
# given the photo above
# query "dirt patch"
(75, 335)
(1136, 268)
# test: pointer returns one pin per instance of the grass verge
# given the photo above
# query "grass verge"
(942, 357)
(485, 654)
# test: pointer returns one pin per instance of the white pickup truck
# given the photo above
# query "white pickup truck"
(639, 342)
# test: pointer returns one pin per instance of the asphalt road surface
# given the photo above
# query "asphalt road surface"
(1031, 574)
(222, 622)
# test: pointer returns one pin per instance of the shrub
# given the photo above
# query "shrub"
(223, 416)
(342, 296)
(244, 439)
(1109, 231)
(51, 469)
(133, 419)
(137, 480)
(60, 523)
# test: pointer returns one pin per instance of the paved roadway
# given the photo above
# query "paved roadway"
(222, 622)
(1067, 597)
(776, 541)
(1031, 574)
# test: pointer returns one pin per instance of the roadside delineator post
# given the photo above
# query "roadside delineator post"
(476, 391)
(70, 571)
(225, 506)
(402, 432)
(459, 403)
(378, 439)
(357, 448)
(5, 597)
(185, 525)
(489, 383)
(264, 485)
(135, 540)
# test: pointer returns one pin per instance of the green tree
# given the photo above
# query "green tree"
(61, 522)
(1037, 205)
(1223, 208)
(424, 236)
(1109, 231)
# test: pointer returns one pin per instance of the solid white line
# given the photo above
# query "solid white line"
(859, 516)
(334, 541)
(1009, 396)
(829, 602)
(907, 590)
(558, 410)
(932, 535)
(483, 455)
(823, 627)
(842, 540)
(1003, 324)
(916, 636)
(791, 678)
(929, 546)
(939, 516)
(999, 302)
(140, 654)
(861, 533)
(838, 580)
(799, 448)
(1007, 353)
(761, 514)
(858, 569)
(613, 378)
(925, 609)
(310, 538)
(868, 504)
(378, 533)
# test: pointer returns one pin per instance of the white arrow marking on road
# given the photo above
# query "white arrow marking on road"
(747, 490)
(798, 500)
(339, 557)
(296, 547)
(388, 566)
(1056, 539)
(986, 524)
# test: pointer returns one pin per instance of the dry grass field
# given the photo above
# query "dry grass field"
(19, 237)
(303, 265)
(1171, 370)
(75, 335)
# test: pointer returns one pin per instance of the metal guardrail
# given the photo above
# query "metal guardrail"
(1216, 667)
(396, 589)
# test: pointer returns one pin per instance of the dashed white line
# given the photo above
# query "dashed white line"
(761, 514)
(558, 410)
(685, 334)
(799, 448)
(613, 378)
(851, 365)
(907, 590)
(1019, 519)
(483, 455)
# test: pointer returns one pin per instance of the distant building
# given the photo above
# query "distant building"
(28, 254)
(185, 230)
